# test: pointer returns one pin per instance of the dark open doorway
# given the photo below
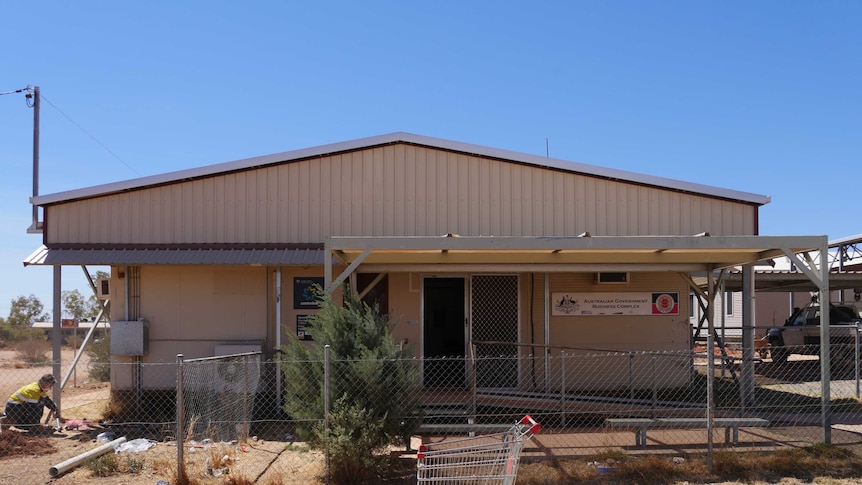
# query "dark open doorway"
(444, 321)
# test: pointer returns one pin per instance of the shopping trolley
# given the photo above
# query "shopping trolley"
(489, 459)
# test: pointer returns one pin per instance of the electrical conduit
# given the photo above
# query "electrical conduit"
(67, 465)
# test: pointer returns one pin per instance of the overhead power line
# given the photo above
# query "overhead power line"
(27, 89)
(90, 135)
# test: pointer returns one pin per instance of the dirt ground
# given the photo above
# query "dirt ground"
(27, 458)
(30, 460)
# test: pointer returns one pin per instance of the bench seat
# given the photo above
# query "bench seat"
(641, 425)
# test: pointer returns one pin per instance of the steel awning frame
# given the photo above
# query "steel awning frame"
(681, 254)
(684, 254)
(787, 281)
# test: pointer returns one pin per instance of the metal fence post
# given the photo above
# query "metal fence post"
(562, 388)
(471, 413)
(181, 471)
(245, 428)
(856, 356)
(326, 351)
(710, 376)
(654, 388)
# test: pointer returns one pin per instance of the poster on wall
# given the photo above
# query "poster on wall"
(303, 328)
(586, 304)
(306, 290)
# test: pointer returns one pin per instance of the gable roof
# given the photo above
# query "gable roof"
(395, 138)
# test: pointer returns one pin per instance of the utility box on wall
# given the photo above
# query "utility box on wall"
(130, 338)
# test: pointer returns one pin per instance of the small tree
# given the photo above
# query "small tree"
(79, 307)
(74, 304)
(100, 359)
(373, 383)
(26, 310)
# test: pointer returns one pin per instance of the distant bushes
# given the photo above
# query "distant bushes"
(33, 352)
(100, 359)
(12, 335)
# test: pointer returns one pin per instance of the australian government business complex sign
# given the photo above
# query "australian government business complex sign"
(585, 304)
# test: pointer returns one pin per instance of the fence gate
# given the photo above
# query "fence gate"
(494, 317)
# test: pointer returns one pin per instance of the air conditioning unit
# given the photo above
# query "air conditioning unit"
(103, 288)
(612, 278)
(240, 374)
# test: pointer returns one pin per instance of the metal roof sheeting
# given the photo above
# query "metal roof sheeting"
(398, 137)
(175, 256)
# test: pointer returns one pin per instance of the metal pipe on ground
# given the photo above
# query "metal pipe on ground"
(67, 465)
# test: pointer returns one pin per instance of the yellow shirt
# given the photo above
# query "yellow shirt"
(31, 393)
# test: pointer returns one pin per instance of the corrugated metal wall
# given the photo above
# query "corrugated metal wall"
(395, 190)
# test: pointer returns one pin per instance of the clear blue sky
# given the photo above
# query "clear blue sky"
(761, 97)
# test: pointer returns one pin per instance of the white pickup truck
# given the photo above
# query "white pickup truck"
(800, 334)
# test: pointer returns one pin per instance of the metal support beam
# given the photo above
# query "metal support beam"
(330, 287)
(57, 336)
(710, 367)
(87, 338)
(525, 268)
(327, 265)
(747, 369)
(547, 320)
(814, 277)
(825, 344)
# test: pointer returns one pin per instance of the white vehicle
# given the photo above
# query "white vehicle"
(800, 333)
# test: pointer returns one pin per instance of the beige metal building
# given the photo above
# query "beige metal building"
(461, 243)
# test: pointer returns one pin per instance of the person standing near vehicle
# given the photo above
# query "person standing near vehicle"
(25, 406)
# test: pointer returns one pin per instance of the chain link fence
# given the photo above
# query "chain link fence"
(586, 400)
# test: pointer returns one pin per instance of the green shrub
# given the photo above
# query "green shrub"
(104, 466)
(372, 377)
(73, 341)
(112, 464)
(355, 439)
(100, 359)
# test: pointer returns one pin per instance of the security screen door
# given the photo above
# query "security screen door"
(494, 317)
(444, 331)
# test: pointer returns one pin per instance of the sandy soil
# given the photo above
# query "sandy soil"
(265, 463)
(14, 373)
(25, 458)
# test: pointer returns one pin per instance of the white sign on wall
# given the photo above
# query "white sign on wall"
(585, 304)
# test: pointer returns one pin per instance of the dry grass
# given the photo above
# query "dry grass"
(820, 464)
(166, 467)
(819, 461)
(113, 464)
(33, 352)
